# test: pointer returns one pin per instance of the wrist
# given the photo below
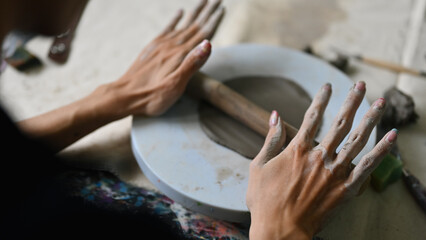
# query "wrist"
(105, 104)
(296, 232)
(273, 230)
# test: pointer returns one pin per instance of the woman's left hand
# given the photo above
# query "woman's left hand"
(159, 75)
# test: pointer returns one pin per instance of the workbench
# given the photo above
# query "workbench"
(111, 34)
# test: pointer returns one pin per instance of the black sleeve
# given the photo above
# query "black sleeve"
(24, 161)
(36, 199)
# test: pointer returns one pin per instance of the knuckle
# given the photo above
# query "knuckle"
(302, 146)
(367, 162)
(343, 124)
(255, 164)
(355, 138)
(347, 146)
(318, 155)
(312, 115)
(164, 44)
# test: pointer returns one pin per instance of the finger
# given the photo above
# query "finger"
(192, 62)
(172, 25)
(370, 162)
(191, 19)
(343, 122)
(196, 30)
(209, 29)
(359, 137)
(274, 141)
(207, 12)
(314, 114)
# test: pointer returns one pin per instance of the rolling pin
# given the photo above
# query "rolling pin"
(234, 104)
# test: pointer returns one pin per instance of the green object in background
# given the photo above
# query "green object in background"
(389, 171)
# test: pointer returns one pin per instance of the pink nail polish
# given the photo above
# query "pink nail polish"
(392, 135)
(380, 103)
(360, 86)
(204, 48)
(273, 120)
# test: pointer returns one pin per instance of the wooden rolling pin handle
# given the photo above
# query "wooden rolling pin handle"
(234, 104)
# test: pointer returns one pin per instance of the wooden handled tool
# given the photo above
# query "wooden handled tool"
(415, 187)
(390, 66)
(380, 63)
(234, 104)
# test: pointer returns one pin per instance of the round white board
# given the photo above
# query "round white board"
(183, 163)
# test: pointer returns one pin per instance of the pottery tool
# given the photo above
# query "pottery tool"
(417, 190)
(382, 64)
(234, 104)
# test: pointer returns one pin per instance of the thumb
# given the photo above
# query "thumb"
(194, 61)
(274, 140)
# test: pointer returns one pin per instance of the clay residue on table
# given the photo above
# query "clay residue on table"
(271, 93)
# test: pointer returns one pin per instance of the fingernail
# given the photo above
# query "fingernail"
(327, 86)
(360, 86)
(204, 48)
(273, 120)
(392, 135)
(180, 12)
(379, 104)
